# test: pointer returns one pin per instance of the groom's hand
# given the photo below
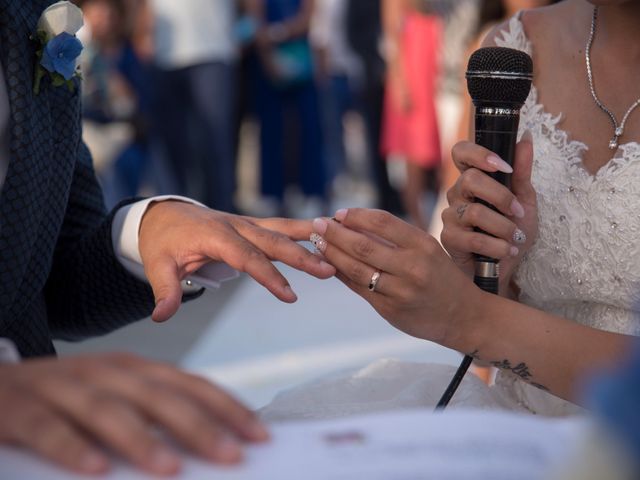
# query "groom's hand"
(177, 238)
(72, 411)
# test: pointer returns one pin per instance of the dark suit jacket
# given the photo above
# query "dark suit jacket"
(59, 277)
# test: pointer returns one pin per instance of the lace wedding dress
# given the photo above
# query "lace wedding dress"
(585, 266)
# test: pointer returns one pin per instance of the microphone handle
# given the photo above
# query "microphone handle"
(497, 130)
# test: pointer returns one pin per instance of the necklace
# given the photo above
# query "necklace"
(618, 129)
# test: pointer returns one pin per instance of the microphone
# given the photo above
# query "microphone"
(499, 81)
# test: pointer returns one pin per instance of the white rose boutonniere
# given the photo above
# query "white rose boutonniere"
(58, 47)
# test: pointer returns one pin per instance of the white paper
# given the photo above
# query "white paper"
(401, 445)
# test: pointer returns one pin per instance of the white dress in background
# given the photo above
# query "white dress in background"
(585, 266)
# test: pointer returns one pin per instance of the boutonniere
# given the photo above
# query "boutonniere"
(58, 47)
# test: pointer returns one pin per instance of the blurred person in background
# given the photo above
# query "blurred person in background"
(111, 110)
(339, 71)
(364, 33)
(194, 107)
(287, 104)
(410, 128)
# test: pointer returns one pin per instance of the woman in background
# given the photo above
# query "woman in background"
(410, 127)
(287, 101)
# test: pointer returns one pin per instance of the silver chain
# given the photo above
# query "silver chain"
(618, 130)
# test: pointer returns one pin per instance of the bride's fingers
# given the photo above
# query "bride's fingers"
(379, 223)
(480, 243)
(476, 184)
(357, 245)
(360, 273)
(468, 155)
(475, 215)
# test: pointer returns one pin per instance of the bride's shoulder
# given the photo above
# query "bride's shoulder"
(536, 29)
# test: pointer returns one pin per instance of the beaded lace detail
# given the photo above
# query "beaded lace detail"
(585, 263)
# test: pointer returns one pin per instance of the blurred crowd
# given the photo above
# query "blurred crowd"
(335, 92)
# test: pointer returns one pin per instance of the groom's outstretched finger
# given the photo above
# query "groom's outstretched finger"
(279, 247)
(298, 230)
(236, 251)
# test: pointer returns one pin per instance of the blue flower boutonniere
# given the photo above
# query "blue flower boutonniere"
(58, 47)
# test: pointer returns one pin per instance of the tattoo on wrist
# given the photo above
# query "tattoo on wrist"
(521, 370)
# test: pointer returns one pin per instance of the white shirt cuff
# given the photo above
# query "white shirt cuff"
(8, 351)
(124, 235)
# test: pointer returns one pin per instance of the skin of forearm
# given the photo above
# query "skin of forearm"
(547, 351)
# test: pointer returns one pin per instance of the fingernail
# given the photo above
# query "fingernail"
(94, 462)
(514, 251)
(499, 164)
(156, 311)
(517, 209)
(318, 242)
(228, 449)
(519, 236)
(288, 291)
(320, 225)
(341, 215)
(258, 432)
(527, 136)
(325, 266)
(164, 460)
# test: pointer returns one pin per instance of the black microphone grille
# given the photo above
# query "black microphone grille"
(499, 76)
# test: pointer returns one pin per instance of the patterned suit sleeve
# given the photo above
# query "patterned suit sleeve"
(89, 292)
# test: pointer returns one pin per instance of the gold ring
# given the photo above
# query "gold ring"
(373, 283)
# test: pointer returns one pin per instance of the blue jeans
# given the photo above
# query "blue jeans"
(337, 100)
(290, 137)
(195, 122)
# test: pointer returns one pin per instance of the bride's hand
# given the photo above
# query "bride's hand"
(511, 231)
(420, 290)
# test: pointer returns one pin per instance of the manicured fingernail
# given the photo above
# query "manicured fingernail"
(499, 164)
(94, 462)
(318, 242)
(527, 136)
(288, 291)
(320, 225)
(514, 251)
(341, 215)
(517, 209)
(519, 236)
(164, 460)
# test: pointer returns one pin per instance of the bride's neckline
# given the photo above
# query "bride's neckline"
(516, 37)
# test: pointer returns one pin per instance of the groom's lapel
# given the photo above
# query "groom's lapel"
(24, 192)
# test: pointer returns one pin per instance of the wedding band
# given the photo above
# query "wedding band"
(373, 283)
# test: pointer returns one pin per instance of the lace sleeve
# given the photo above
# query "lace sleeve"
(514, 36)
